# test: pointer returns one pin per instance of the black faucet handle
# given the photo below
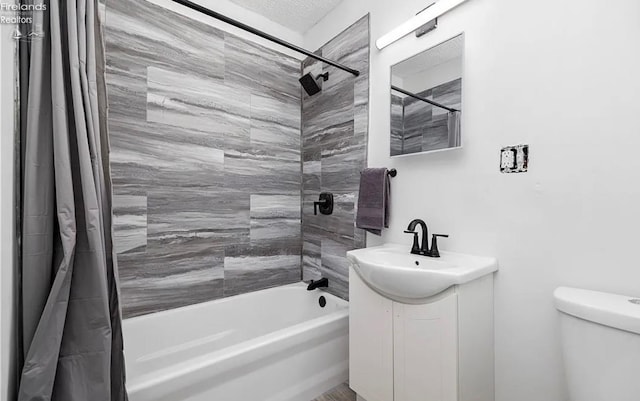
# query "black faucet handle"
(434, 252)
(324, 203)
(415, 248)
(316, 204)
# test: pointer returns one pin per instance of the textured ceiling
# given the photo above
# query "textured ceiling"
(297, 15)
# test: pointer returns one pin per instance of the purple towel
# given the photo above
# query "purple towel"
(373, 200)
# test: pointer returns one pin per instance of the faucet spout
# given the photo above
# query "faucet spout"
(323, 282)
(424, 249)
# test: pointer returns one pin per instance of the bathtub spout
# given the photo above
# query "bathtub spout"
(323, 282)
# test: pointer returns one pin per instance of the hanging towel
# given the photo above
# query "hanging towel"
(373, 200)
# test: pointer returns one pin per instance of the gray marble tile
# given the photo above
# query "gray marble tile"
(328, 114)
(208, 158)
(340, 224)
(350, 48)
(149, 155)
(361, 108)
(239, 265)
(359, 236)
(211, 216)
(171, 276)
(261, 69)
(334, 136)
(271, 111)
(249, 272)
(275, 217)
(341, 166)
(311, 153)
(127, 93)
(413, 144)
(436, 134)
(397, 127)
(130, 223)
(424, 127)
(151, 161)
(139, 33)
(312, 236)
(154, 294)
(417, 114)
(275, 126)
(311, 260)
(261, 171)
(449, 94)
(312, 173)
(196, 103)
(173, 120)
(335, 267)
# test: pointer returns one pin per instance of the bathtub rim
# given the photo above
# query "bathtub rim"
(341, 302)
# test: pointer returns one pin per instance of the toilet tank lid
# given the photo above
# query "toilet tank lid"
(607, 309)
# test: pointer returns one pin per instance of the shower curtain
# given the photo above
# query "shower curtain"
(453, 126)
(69, 315)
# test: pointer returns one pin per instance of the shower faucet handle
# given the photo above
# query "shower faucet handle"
(325, 204)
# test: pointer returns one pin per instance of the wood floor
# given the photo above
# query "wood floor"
(340, 393)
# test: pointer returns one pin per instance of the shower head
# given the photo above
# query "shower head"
(313, 85)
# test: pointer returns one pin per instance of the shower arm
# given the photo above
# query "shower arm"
(263, 35)
(431, 102)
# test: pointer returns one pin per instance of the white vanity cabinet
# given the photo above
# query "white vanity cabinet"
(425, 350)
(370, 341)
(438, 350)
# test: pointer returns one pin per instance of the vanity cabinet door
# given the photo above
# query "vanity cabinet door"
(370, 341)
(425, 342)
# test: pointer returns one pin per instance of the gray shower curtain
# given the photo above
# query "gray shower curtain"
(453, 126)
(69, 316)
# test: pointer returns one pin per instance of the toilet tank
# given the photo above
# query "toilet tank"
(601, 344)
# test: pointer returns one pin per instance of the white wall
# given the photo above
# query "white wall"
(562, 76)
(6, 205)
(437, 75)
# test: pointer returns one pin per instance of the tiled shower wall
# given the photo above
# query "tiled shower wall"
(397, 123)
(334, 149)
(418, 126)
(205, 138)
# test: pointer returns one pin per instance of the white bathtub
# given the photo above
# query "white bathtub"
(271, 345)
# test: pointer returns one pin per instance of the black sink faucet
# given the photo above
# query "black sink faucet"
(425, 234)
(424, 249)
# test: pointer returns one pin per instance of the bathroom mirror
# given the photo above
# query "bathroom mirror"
(426, 100)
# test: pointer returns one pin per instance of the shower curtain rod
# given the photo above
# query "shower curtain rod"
(413, 95)
(262, 34)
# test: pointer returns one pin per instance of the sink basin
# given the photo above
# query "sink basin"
(397, 274)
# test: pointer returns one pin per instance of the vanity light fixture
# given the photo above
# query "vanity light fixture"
(432, 12)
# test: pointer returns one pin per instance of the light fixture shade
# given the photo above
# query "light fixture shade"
(433, 12)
